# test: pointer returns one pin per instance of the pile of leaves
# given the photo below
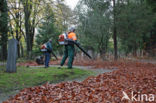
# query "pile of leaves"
(104, 88)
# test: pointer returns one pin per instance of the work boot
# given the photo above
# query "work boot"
(46, 66)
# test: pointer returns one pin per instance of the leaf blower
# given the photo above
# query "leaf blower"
(63, 40)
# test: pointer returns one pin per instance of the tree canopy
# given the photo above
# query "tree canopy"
(104, 26)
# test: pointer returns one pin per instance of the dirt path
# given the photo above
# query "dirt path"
(97, 70)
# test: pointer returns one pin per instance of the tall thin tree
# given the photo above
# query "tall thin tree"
(115, 31)
(3, 28)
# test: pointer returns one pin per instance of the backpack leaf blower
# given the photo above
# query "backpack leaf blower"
(63, 40)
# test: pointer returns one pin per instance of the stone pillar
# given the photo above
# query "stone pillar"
(12, 55)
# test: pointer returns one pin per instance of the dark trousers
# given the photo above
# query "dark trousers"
(47, 59)
(69, 52)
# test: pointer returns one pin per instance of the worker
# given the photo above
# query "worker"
(69, 49)
(48, 52)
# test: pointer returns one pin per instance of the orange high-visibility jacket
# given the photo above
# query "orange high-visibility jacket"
(72, 36)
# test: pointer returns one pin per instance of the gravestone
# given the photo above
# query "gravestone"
(12, 55)
(91, 53)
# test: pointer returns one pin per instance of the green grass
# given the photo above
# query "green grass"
(33, 76)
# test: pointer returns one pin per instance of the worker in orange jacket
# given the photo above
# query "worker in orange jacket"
(69, 49)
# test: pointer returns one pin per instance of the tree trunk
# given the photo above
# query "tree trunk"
(27, 12)
(103, 54)
(18, 50)
(115, 44)
(115, 32)
(17, 16)
(29, 26)
(22, 50)
(3, 28)
(4, 51)
(18, 39)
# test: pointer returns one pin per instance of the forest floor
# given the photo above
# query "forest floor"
(128, 76)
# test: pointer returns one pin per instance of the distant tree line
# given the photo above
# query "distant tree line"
(104, 26)
(31, 23)
(129, 23)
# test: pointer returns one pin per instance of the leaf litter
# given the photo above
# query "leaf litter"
(104, 88)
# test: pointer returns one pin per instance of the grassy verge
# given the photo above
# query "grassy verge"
(33, 76)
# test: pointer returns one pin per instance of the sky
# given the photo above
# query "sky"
(71, 3)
